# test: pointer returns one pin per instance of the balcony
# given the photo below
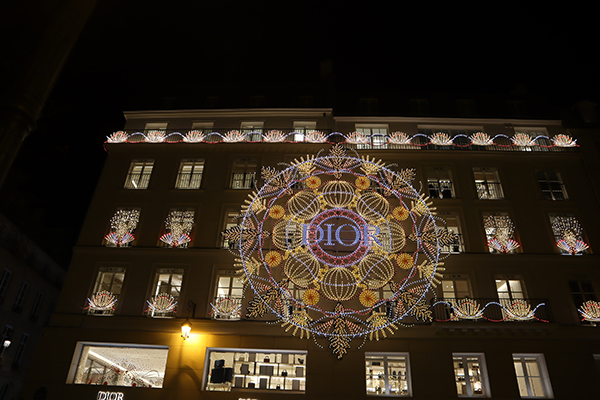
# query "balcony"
(226, 308)
(491, 310)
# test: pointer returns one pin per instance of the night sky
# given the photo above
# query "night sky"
(135, 54)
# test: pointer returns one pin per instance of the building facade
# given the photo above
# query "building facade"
(511, 314)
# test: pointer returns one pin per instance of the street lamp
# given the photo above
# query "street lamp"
(186, 327)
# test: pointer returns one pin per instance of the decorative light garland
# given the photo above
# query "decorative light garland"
(499, 230)
(162, 303)
(342, 242)
(179, 224)
(102, 301)
(590, 311)
(481, 139)
(568, 233)
(469, 309)
(122, 226)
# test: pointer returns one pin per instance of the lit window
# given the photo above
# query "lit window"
(203, 127)
(36, 306)
(18, 306)
(252, 130)
(568, 234)
(156, 126)
(20, 350)
(118, 365)
(302, 128)
(551, 185)
(439, 182)
(500, 233)
(190, 174)
(510, 289)
(582, 292)
(456, 286)
(244, 174)
(453, 227)
(4, 282)
(470, 375)
(178, 228)
(488, 184)
(231, 221)
(376, 135)
(122, 227)
(388, 374)
(139, 174)
(232, 369)
(165, 293)
(108, 286)
(227, 302)
(532, 376)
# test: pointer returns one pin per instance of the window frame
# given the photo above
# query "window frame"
(18, 304)
(132, 232)
(247, 168)
(4, 282)
(544, 377)
(139, 179)
(483, 374)
(195, 178)
(384, 356)
(482, 186)
(514, 236)
(187, 213)
(98, 284)
(433, 178)
(173, 290)
(558, 182)
(378, 139)
(252, 130)
(234, 285)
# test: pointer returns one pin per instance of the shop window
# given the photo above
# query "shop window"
(139, 174)
(177, 228)
(568, 234)
(500, 233)
(488, 184)
(470, 375)
(376, 135)
(388, 374)
(551, 185)
(227, 302)
(107, 289)
(190, 174)
(439, 182)
(234, 369)
(122, 227)
(532, 376)
(118, 365)
(166, 292)
(244, 174)
(18, 306)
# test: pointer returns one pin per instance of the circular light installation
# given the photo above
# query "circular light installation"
(350, 233)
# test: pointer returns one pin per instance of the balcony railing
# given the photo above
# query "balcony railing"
(489, 309)
(228, 308)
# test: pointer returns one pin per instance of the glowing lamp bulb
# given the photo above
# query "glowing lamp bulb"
(186, 328)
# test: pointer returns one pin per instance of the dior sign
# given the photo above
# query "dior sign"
(109, 396)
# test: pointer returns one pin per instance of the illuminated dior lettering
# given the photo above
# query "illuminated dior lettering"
(369, 234)
(110, 396)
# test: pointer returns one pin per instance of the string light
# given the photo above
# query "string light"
(122, 226)
(568, 232)
(499, 230)
(179, 224)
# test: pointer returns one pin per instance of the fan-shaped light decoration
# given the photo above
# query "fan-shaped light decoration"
(102, 301)
(519, 310)
(568, 232)
(441, 139)
(563, 140)
(122, 225)
(481, 139)
(467, 309)
(155, 137)
(179, 224)
(117, 137)
(357, 138)
(499, 230)
(274, 137)
(315, 137)
(523, 140)
(339, 240)
(399, 138)
(162, 303)
(590, 311)
(194, 137)
(226, 308)
(234, 137)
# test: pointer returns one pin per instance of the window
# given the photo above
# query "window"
(165, 293)
(190, 174)
(108, 286)
(376, 135)
(488, 184)
(456, 286)
(231, 220)
(302, 128)
(510, 289)
(439, 182)
(20, 350)
(453, 226)
(18, 306)
(388, 374)
(500, 232)
(551, 185)
(244, 174)
(122, 227)
(228, 297)
(470, 375)
(118, 365)
(252, 130)
(582, 291)
(178, 228)
(6, 337)
(568, 234)
(36, 306)
(532, 376)
(156, 126)
(139, 174)
(49, 312)
(232, 369)
(203, 127)
(4, 282)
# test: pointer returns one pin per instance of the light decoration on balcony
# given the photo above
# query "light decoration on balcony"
(122, 226)
(590, 311)
(499, 230)
(226, 308)
(521, 140)
(179, 224)
(567, 231)
(102, 301)
(467, 309)
(519, 310)
(162, 303)
(341, 242)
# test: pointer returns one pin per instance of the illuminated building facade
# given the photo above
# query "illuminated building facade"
(511, 306)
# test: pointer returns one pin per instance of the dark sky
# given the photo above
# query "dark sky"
(132, 54)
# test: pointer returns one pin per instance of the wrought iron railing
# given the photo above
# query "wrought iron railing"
(489, 309)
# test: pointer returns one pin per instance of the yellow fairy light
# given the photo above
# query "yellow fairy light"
(368, 298)
(400, 213)
(276, 212)
(310, 297)
(313, 182)
(362, 182)
(273, 259)
(404, 261)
